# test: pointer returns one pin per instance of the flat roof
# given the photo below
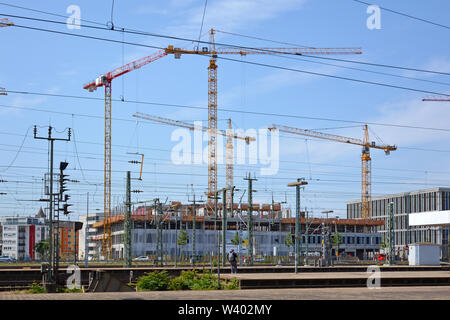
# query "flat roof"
(402, 194)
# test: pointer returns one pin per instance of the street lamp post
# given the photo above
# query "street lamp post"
(298, 240)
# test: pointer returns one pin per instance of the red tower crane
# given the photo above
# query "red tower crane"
(437, 98)
(105, 81)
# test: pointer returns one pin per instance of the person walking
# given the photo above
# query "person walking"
(232, 258)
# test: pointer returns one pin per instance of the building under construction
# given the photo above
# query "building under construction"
(272, 224)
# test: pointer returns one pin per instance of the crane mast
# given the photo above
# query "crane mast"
(366, 177)
(107, 238)
(212, 117)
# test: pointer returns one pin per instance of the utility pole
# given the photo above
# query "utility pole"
(232, 201)
(156, 211)
(240, 228)
(176, 240)
(390, 233)
(250, 218)
(224, 226)
(327, 257)
(230, 190)
(51, 264)
(306, 237)
(160, 221)
(194, 227)
(127, 224)
(86, 233)
(216, 198)
(216, 218)
(298, 240)
(279, 225)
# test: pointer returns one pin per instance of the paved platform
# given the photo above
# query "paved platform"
(339, 279)
(384, 293)
(334, 275)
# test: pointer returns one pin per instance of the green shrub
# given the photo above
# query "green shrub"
(69, 290)
(154, 281)
(232, 285)
(184, 281)
(177, 284)
(188, 280)
(36, 288)
(205, 281)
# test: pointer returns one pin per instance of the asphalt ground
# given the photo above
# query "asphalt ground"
(383, 293)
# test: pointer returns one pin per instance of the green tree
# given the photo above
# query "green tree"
(383, 244)
(236, 239)
(42, 248)
(289, 240)
(337, 241)
(183, 239)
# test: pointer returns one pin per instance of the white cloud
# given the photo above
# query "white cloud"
(233, 14)
(413, 113)
(441, 64)
(149, 9)
(229, 15)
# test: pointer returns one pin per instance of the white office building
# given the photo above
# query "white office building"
(88, 231)
(21, 234)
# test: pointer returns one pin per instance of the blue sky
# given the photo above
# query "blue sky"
(50, 63)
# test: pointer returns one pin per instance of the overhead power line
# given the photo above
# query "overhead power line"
(203, 175)
(282, 161)
(250, 63)
(273, 51)
(327, 75)
(269, 114)
(406, 15)
(343, 60)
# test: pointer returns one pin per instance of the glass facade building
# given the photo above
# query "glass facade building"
(434, 199)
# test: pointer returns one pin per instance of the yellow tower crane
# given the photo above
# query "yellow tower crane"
(366, 183)
(212, 85)
(228, 134)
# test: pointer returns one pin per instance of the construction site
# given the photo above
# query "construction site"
(176, 168)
